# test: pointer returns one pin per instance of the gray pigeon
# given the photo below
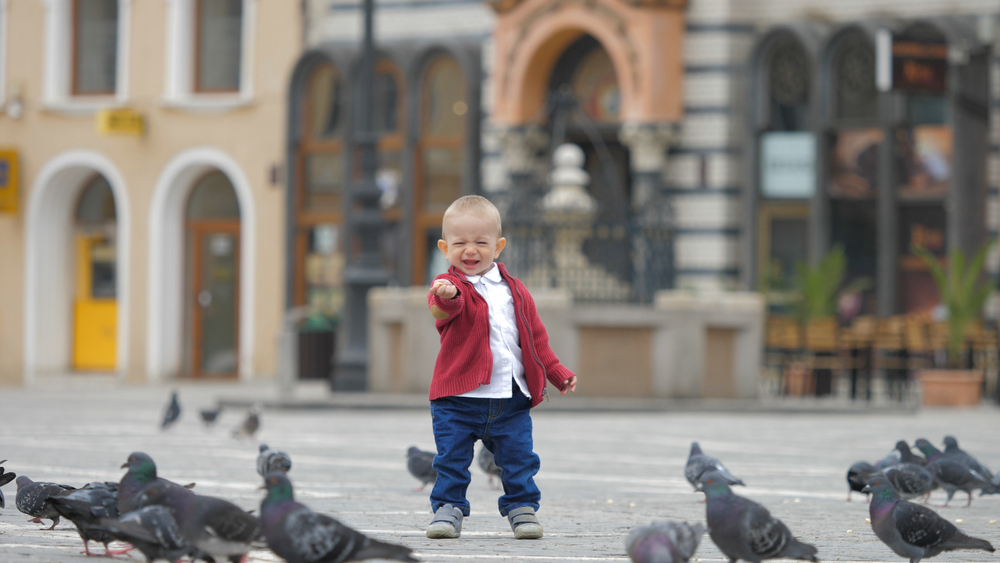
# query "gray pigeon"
(299, 535)
(698, 464)
(951, 450)
(33, 499)
(172, 413)
(663, 542)
(489, 465)
(271, 460)
(214, 526)
(152, 530)
(952, 474)
(906, 455)
(141, 473)
(893, 458)
(4, 479)
(743, 529)
(421, 465)
(910, 480)
(857, 477)
(250, 424)
(209, 416)
(911, 530)
(85, 507)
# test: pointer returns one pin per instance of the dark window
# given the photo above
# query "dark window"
(95, 46)
(219, 37)
(854, 73)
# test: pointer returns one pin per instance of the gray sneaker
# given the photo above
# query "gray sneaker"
(524, 523)
(447, 523)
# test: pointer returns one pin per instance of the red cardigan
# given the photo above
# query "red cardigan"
(465, 361)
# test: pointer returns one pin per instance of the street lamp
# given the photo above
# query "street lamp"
(365, 225)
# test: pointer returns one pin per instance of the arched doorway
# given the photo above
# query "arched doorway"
(95, 289)
(212, 256)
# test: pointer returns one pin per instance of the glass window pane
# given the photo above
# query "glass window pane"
(386, 102)
(324, 270)
(97, 203)
(96, 46)
(219, 36)
(857, 98)
(324, 180)
(213, 197)
(595, 86)
(789, 85)
(442, 177)
(324, 103)
(444, 105)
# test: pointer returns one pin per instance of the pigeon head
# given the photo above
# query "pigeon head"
(263, 448)
(279, 488)
(950, 443)
(412, 451)
(927, 448)
(695, 449)
(713, 483)
(882, 491)
(141, 466)
(23, 481)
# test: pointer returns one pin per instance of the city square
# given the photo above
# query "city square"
(604, 471)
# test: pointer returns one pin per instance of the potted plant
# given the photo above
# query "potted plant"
(963, 292)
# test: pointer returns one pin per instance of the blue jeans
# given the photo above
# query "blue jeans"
(504, 426)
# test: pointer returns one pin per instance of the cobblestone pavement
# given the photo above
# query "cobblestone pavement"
(602, 473)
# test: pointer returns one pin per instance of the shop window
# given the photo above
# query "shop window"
(856, 98)
(95, 223)
(789, 77)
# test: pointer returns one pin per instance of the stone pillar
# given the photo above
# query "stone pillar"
(652, 212)
(521, 147)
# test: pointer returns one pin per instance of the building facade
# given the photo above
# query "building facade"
(147, 138)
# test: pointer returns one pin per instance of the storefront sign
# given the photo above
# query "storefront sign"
(919, 66)
(121, 121)
(787, 165)
(8, 181)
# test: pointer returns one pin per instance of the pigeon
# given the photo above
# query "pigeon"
(250, 424)
(172, 413)
(141, 473)
(699, 463)
(299, 535)
(663, 542)
(85, 507)
(208, 416)
(743, 529)
(489, 465)
(421, 465)
(952, 474)
(857, 477)
(33, 499)
(951, 450)
(911, 530)
(906, 455)
(4, 479)
(910, 480)
(270, 461)
(214, 526)
(152, 530)
(894, 458)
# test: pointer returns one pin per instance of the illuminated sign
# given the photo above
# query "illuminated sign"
(8, 181)
(919, 66)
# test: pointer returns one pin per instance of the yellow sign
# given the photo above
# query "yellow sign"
(9, 179)
(122, 121)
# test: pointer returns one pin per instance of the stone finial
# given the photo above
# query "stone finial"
(569, 181)
(520, 146)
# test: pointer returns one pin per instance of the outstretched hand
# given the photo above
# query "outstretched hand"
(568, 386)
(443, 288)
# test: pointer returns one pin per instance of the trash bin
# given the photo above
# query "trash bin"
(317, 344)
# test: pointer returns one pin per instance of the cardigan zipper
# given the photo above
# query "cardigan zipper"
(531, 338)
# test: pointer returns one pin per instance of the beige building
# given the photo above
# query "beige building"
(153, 253)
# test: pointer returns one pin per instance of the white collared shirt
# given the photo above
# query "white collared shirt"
(508, 363)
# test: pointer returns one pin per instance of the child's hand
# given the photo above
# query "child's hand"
(568, 386)
(444, 288)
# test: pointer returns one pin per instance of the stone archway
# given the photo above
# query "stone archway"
(166, 242)
(48, 280)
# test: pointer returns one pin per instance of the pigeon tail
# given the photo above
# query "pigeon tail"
(799, 550)
(962, 541)
(381, 550)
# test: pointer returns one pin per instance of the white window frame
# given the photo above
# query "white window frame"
(3, 52)
(179, 80)
(58, 90)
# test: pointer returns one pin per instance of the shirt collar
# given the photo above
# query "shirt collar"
(492, 275)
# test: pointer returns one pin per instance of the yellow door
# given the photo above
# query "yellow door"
(95, 310)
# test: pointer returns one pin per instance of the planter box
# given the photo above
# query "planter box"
(951, 387)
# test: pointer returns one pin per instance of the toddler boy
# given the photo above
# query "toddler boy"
(490, 372)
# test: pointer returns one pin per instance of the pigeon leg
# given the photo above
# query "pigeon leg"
(111, 552)
(968, 504)
(53, 526)
(36, 520)
(849, 491)
(417, 490)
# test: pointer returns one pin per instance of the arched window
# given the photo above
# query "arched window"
(440, 159)
(94, 303)
(320, 185)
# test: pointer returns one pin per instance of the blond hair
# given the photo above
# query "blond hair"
(472, 205)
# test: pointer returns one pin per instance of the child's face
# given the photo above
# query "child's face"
(471, 243)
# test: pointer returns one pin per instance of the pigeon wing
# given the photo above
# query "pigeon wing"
(229, 522)
(766, 534)
(318, 537)
(921, 526)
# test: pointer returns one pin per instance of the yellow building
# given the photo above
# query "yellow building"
(141, 200)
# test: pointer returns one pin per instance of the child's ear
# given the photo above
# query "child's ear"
(443, 247)
(501, 243)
